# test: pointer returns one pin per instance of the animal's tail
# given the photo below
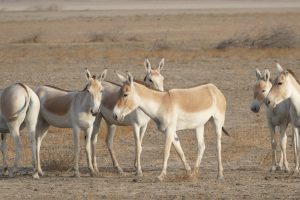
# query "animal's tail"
(27, 100)
(225, 131)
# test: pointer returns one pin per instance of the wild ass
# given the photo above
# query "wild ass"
(66, 109)
(279, 116)
(137, 119)
(286, 87)
(19, 106)
(177, 109)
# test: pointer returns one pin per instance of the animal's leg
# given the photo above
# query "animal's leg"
(41, 132)
(88, 134)
(283, 146)
(273, 144)
(218, 125)
(296, 149)
(142, 134)
(76, 134)
(31, 124)
(180, 152)
(111, 130)
(168, 142)
(4, 151)
(96, 128)
(16, 137)
(201, 147)
(138, 149)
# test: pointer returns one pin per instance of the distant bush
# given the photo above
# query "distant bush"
(33, 38)
(104, 36)
(276, 37)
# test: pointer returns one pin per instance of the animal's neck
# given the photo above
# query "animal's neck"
(153, 103)
(295, 93)
(84, 98)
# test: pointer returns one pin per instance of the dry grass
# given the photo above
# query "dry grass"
(105, 36)
(275, 37)
(32, 38)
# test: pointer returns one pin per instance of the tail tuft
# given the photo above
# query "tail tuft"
(225, 131)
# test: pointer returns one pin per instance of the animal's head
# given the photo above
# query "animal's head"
(94, 88)
(153, 77)
(281, 89)
(261, 89)
(128, 99)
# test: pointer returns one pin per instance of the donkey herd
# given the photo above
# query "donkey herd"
(134, 103)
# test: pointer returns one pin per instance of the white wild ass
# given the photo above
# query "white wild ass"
(177, 109)
(287, 87)
(66, 109)
(278, 116)
(19, 106)
(137, 119)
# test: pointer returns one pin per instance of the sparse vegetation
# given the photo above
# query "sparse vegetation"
(105, 36)
(57, 158)
(275, 37)
(33, 38)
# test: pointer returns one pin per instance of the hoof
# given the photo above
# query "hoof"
(77, 175)
(273, 168)
(160, 178)
(41, 173)
(36, 175)
(5, 172)
(120, 171)
(139, 173)
(220, 178)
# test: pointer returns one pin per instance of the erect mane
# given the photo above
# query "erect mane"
(294, 75)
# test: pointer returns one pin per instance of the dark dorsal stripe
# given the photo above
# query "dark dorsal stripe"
(113, 83)
(294, 75)
(57, 88)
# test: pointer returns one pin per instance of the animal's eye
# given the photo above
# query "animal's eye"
(125, 95)
(150, 80)
(263, 91)
(279, 83)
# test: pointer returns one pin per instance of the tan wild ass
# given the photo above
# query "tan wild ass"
(177, 109)
(137, 119)
(278, 116)
(18, 105)
(287, 87)
(66, 109)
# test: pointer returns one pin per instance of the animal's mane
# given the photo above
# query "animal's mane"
(141, 82)
(114, 83)
(294, 75)
(57, 88)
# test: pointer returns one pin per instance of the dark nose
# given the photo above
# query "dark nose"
(94, 113)
(115, 116)
(255, 109)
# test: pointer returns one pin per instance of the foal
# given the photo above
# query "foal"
(66, 109)
(18, 104)
(137, 119)
(279, 116)
(177, 109)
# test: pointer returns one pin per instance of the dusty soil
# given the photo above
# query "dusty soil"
(53, 47)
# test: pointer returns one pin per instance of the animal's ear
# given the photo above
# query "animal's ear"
(267, 75)
(87, 74)
(147, 65)
(129, 78)
(286, 72)
(103, 75)
(258, 74)
(161, 64)
(121, 77)
(279, 68)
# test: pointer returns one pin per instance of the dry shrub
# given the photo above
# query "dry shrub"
(134, 38)
(52, 7)
(106, 36)
(33, 38)
(56, 158)
(274, 37)
(161, 44)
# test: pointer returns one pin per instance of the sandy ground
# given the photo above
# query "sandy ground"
(53, 47)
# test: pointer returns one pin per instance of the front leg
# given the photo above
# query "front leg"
(76, 138)
(94, 138)
(138, 149)
(296, 149)
(283, 147)
(168, 142)
(273, 145)
(88, 134)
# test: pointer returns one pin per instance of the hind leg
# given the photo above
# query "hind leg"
(16, 137)
(296, 149)
(41, 132)
(4, 151)
(218, 125)
(201, 148)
